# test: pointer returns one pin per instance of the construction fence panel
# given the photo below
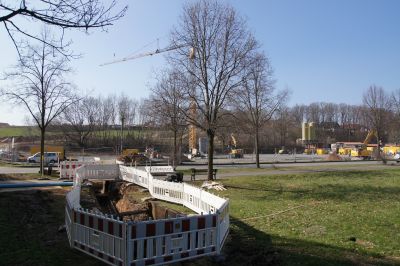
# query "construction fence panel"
(68, 168)
(223, 223)
(168, 191)
(99, 236)
(68, 222)
(136, 176)
(160, 169)
(101, 172)
(148, 242)
(200, 200)
(166, 241)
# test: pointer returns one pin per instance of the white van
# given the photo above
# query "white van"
(49, 157)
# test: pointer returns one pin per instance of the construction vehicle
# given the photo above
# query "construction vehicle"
(127, 152)
(234, 151)
(362, 150)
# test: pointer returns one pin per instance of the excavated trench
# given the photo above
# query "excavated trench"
(125, 200)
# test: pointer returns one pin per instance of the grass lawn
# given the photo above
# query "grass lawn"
(335, 218)
(29, 222)
(16, 131)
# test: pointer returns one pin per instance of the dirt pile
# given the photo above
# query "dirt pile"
(131, 210)
(334, 157)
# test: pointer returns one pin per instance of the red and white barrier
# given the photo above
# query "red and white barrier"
(148, 242)
(167, 241)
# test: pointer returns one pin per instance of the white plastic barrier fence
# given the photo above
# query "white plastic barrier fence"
(159, 169)
(68, 168)
(97, 235)
(191, 197)
(148, 242)
(172, 240)
(168, 191)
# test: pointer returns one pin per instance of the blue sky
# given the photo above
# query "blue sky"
(322, 50)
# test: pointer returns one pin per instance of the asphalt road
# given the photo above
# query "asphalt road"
(18, 170)
(269, 169)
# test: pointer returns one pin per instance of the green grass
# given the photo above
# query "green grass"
(309, 219)
(335, 218)
(29, 221)
(17, 131)
(276, 167)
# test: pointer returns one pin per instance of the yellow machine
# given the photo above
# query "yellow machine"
(358, 149)
(391, 149)
(343, 150)
(127, 152)
(58, 149)
(322, 151)
(363, 150)
(235, 153)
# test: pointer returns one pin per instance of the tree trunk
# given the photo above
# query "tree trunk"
(42, 132)
(378, 151)
(179, 162)
(210, 135)
(175, 160)
(256, 148)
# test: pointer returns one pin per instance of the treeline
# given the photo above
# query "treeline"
(105, 121)
(339, 122)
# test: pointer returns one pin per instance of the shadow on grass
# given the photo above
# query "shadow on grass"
(29, 222)
(249, 246)
(28, 236)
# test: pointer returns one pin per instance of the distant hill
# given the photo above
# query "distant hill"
(4, 125)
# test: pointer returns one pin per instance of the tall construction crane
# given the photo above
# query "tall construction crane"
(192, 109)
(157, 51)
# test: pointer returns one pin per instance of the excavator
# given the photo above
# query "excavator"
(358, 149)
(362, 150)
(235, 152)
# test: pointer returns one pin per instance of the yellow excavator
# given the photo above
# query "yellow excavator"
(234, 152)
(363, 150)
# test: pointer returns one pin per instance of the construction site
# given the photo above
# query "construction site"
(199, 133)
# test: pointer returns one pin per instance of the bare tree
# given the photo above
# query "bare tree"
(256, 99)
(221, 43)
(108, 115)
(61, 14)
(298, 112)
(395, 98)
(314, 113)
(124, 107)
(168, 102)
(79, 120)
(40, 85)
(377, 104)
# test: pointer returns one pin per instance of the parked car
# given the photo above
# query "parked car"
(49, 157)
(397, 157)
